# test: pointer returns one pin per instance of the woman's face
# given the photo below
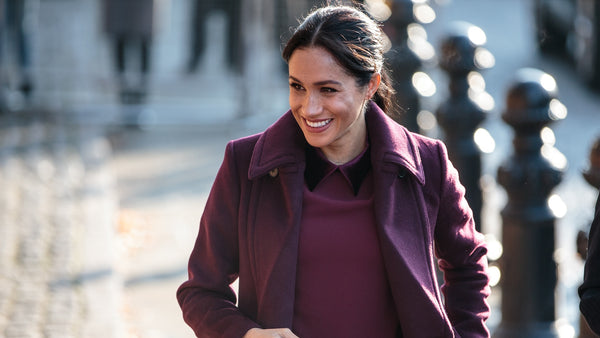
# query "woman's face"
(327, 103)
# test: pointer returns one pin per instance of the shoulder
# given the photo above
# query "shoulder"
(391, 137)
(432, 152)
(244, 144)
(428, 147)
(433, 156)
(237, 156)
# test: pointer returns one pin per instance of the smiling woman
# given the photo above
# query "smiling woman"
(328, 105)
(333, 217)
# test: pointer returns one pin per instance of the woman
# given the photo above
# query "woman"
(331, 216)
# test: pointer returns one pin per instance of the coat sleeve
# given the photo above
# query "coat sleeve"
(589, 291)
(462, 255)
(206, 298)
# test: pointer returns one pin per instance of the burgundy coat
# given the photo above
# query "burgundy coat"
(250, 229)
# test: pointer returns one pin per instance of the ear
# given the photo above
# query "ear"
(373, 85)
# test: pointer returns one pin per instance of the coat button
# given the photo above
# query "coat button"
(402, 173)
(274, 173)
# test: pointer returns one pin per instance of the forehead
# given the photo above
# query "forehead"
(315, 63)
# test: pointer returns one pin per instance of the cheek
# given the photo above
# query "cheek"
(346, 107)
(295, 100)
(294, 105)
(297, 117)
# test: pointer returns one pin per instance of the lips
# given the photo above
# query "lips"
(318, 124)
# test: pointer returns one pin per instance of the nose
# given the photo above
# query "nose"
(312, 105)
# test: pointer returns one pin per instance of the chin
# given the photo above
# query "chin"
(317, 143)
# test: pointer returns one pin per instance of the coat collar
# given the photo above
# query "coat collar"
(392, 143)
(282, 146)
(318, 167)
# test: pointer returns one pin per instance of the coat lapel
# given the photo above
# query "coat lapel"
(281, 145)
(277, 165)
(405, 233)
(275, 243)
(406, 245)
(393, 149)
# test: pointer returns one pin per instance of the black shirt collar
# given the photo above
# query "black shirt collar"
(318, 167)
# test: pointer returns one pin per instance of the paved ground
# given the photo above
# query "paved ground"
(57, 252)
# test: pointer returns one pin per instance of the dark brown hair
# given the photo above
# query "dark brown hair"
(355, 41)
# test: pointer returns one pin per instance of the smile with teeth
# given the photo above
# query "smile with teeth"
(318, 124)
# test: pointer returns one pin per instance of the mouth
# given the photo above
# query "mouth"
(317, 124)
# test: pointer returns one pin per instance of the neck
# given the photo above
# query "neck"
(347, 153)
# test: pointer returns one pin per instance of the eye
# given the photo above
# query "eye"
(296, 86)
(328, 90)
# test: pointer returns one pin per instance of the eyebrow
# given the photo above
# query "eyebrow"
(319, 83)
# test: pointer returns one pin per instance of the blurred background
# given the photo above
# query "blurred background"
(114, 116)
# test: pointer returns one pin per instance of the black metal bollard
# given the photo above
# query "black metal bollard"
(462, 56)
(592, 174)
(405, 58)
(529, 275)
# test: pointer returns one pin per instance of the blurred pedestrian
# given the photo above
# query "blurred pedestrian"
(130, 25)
(589, 291)
(3, 106)
(200, 12)
(17, 49)
(332, 218)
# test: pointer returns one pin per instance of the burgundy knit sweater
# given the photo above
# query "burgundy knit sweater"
(341, 287)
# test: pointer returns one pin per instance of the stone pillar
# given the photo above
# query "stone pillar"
(68, 59)
(260, 66)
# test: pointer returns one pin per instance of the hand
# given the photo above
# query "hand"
(269, 333)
